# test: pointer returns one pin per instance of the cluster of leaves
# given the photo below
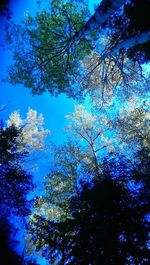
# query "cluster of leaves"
(135, 124)
(47, 57)
(7, 255)
(32, 133)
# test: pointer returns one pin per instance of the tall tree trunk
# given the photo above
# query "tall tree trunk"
(131, 42)
(101, 15)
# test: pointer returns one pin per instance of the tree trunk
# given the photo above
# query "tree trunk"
(96, 165)
(131, 42)
(101, 15)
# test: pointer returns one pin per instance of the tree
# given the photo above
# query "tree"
(60, 183)
(107, 226)
(90, 140)
(80, 155)
(106, 74)
(15, 182)
(56, 44)
(125, 49)
(96, 137)
(50, 55)
(91, 211)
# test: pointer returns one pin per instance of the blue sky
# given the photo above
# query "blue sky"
(19, 98)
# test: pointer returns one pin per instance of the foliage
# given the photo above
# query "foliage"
(106, 73)
(48, 58)
(133, 126)
(15, 182)
(92, 211)
(62, 53)
(8, 245)
(96, 132)
(60, 183)
(32, 133)
(107, 225)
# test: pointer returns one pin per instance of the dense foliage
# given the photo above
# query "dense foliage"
(106, 224)
(47, 57)
(15, 182)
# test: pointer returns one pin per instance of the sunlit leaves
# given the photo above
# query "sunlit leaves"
(90, 129)
(106, 73)
(33, 134)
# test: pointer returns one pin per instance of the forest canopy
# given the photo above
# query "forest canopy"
(92, 205)
(64, 49)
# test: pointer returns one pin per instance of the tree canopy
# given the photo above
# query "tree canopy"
(106, 224)
(63, 48)
(95, 210)
(93, 204)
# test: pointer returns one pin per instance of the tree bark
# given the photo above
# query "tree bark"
(96, 165)
(101, 15)
(131, 42)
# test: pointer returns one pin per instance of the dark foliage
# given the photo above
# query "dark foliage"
(4, 9)
(108, 226)
(7, 253)
(3, 4)
(15, 182)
